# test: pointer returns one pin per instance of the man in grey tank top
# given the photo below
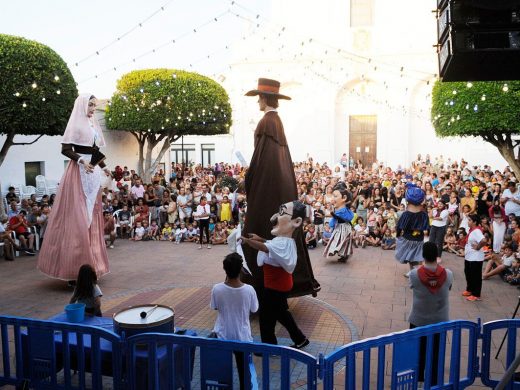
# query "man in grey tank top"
(430, 284)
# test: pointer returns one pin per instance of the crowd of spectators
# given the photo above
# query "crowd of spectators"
(163, 210)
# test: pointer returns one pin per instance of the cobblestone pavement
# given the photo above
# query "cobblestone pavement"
(365, 297)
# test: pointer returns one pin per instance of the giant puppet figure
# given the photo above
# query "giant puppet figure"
(270, 182)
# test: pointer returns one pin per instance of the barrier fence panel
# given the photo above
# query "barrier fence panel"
(44, 353)
(172, 360)
(367, 361)
(492, 335)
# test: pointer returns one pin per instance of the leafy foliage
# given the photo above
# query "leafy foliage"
(476, 109)
(169, 101)
(33, 75)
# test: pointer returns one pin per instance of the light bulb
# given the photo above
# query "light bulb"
(56, 78)
(58, 92)
(24, 105)
(483, 98)
(469, 85)
(34, 85)
(454, 92)
(505, 88)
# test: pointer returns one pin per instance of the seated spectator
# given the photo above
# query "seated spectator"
(87, 291)
(13, 209)
(154, 230)
(19, 225)
(326, 235)
(361, 233)
(311, 237)
(180, 233)
(500, 265)
(11, 195)
(124, 221)
(389, 241)
(191, 234)
(9, 243)
(109, 229)
(138, 232)
(146, 227)
(142, 211)
(374, 237)
(166, 232)
(219, 236)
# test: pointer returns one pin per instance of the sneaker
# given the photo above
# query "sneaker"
(30, 252)
(111, 246)
(209, 246)
(473, 298)
(200, 246)
(301, 345)
(407, 275)
(466, 293)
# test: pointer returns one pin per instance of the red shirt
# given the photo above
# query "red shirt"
(276, 278)
(20, 229)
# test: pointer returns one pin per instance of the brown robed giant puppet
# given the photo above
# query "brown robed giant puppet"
(270, 182)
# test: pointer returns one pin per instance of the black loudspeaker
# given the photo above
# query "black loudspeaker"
(478, 40)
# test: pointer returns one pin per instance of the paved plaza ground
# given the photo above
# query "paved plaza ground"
(366, 297)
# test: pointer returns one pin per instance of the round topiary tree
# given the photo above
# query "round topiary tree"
(37, 91)
(161, 105)
(487, 109)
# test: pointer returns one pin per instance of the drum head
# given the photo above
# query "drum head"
(131, 317)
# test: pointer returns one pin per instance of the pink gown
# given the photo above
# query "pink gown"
(70, 240)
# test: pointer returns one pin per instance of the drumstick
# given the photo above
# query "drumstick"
(145, 313)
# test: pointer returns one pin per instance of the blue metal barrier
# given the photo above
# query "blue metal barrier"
(35, 351)
(511, 327)
(44, 348)
(404, 349)
(214, 371)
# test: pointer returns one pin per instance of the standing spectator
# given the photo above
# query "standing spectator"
(474, 258)
(109, 229)
(499, 225)
(511, 199)
(234, 301)
(430, 284)
(438, 227)
(202, 215)
(137, 190)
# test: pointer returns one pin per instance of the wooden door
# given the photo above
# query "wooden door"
(363, 138)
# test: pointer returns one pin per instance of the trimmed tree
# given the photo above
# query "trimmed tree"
(37, 91)
(487, 109)
(161, 105)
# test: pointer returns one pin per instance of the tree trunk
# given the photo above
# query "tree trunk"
(507, 151)
(165, 146)
(140, 142)
(5, 147)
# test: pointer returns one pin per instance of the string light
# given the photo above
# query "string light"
(119, 38)
(34, 85)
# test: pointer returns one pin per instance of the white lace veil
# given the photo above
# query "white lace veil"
(80, 128)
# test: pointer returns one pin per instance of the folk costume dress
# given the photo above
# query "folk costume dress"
(410, 236)
(340, 242)
(270, 182)
(74, 234)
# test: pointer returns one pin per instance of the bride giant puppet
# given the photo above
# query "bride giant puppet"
(74, 234)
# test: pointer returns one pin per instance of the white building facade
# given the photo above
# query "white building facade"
(360, 74)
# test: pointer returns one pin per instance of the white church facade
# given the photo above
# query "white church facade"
(360, 74)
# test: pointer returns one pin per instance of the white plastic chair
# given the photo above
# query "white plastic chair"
(52, 186)
(27, 191)
(41, 185)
